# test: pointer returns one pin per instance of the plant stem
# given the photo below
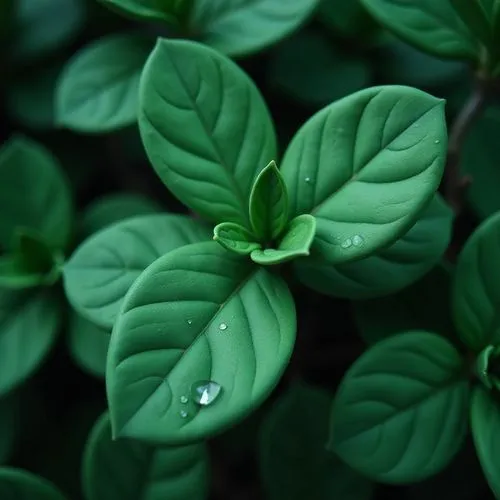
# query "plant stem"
(455, 183)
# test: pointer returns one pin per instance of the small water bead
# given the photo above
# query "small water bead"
(184, 414)
(358, 240)
(347, 243)
(205, 392)
(223, 326)
(189, 321)
(437, 141)
(308, 179)
(184, 399)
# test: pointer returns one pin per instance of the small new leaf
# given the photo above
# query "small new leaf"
(295, 243)
(235, 238)
(269, 204)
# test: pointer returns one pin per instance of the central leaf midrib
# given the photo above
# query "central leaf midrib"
(229, 174)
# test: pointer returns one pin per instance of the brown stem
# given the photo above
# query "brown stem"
(455, 182)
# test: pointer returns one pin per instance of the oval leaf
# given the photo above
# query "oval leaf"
(235, 238)
(98, 90)
(130, 470)
(269, 204)
(34, 193)
(389, 270)
(365, 167)
(88, 345)
(205, 128)
(20, 484)
(241, 27)
(295, 243)
(294, 428)
(485, 423)
(103, 267)
(476, 290)
(30, 322)
(434, 27)
(400, 414)
(198, 314)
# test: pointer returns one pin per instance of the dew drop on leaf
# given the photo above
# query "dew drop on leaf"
(184, 414)
(205, 392)
(358, 240)
(184, 400)
(347, 243)
(223, 326)
(189, 321)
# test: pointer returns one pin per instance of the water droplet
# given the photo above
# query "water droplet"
(205, 392)
(223, 326)
(437, 141)
(347, 243)
(308, 179)
(189, 321)
(184, 414)
(358, 240)
(184, 399)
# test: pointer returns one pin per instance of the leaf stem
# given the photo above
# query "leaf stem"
(455, 183)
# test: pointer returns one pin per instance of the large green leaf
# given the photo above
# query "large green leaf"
(98, 90)
(389, 270)
(196, 316)
(418, 307)
(476, 290)
(44, 26)
(34, 193)
(400, 413)
(103, 267)
(485, 423)
(17, 484)
(434, 27)
(130, 470)
(88, 345)
(29, 323)
(112, 208)
(295, 428)
(365, 167)
(242, 27)
(205, 127)
(312, 71)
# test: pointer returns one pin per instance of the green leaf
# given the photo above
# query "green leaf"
(472, 14)
(421, 306)
(19, 484)
(242, 27)
(129, 470)
(235, 238)
(197, 315)
(400, 413)
(296, 427)
(296, 242)
(88, 345)
(390, 269)
(8, 424)
(41, 27)
(14, 277)
(205, 128)
(112, 208)
(485, 424)
(98, 90)
(103, 267)
(30, 321)
(431, 26)
(168, 11)
(476, 289)
(311, 70)
(269, 204)
(34, 193)
(365, 167)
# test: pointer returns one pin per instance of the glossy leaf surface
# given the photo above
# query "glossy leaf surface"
(365, 167)
(485, 423)
(434, 27)
(476, 290)
(31, 321)
(197, 314)
(295, 427)
(34, 194)
(98, 90)
(103, 267)
(205, 128)
(130, 470)
(400, 414)
(235, 238)
(389, 270)
(17, 484)
(242, 27)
